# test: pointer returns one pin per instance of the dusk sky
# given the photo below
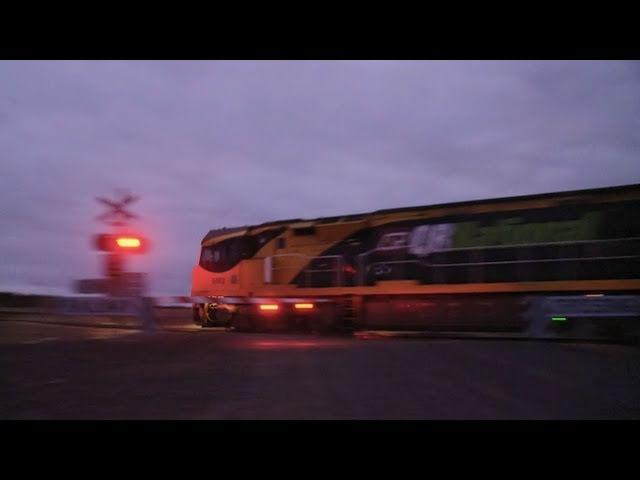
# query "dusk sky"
(209, 144)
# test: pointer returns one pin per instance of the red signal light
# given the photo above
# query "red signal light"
(128, 242)
(121, 243)
(102, 242)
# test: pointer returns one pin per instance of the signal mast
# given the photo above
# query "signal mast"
(117, 245)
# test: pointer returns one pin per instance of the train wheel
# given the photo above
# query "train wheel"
(322, 324)
(206, 322)
(243, 324)
(295, 324)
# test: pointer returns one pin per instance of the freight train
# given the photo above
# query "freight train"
(554, 264)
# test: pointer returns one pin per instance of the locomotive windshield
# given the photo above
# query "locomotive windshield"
(226, 254)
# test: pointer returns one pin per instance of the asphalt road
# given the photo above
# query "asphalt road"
(71, 372)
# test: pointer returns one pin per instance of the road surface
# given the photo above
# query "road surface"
(71, 372)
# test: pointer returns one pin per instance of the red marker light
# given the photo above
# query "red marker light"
(349, 269)
(269, 307)
(128, 242)
(303, 306)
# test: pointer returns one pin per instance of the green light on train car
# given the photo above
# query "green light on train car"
(558, 319)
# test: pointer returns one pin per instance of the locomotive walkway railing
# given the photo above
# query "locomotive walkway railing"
(385, 267)
(328, 270)
(335, 270)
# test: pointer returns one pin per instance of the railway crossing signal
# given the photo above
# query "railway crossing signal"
(117, 246)
(125, 291)
(117, 215)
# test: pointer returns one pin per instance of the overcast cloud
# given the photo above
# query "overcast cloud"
(212, 144)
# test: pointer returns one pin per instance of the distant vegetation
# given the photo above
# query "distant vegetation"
(17, 300)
